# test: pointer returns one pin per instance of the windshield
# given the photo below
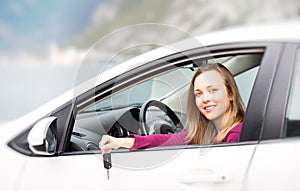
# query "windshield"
(156, 88)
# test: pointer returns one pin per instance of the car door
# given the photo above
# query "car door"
(275, 165)
(79, 165)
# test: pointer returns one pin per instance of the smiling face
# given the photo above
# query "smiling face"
(211, 95)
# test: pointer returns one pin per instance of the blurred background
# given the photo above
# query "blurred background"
(43, 43)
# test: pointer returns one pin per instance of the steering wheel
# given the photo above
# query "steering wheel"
(166, 110)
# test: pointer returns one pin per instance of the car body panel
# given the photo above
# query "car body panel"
(12, 163)
(275, 165)
(202, 166)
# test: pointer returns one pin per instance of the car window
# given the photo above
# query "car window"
(292, 121)
(119, 114)
(245, 82)
(156, 88)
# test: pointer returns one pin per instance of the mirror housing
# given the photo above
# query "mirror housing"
(42, 137)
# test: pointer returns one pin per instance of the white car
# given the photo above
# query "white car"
(56, 146)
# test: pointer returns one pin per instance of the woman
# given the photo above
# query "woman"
(214, 112)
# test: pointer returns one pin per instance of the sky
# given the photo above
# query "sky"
(56, 20)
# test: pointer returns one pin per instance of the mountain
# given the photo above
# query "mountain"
(191, 16)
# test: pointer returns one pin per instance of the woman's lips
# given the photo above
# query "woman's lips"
(209, 107)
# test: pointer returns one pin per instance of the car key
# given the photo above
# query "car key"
(107, 163)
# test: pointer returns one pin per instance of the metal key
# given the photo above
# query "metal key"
(107, 163)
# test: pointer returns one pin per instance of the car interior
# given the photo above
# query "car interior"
(155, 104)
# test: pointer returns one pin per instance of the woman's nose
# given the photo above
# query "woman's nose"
(206, 96)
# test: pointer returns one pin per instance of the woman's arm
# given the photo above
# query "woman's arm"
(156, 140)
(134, 142)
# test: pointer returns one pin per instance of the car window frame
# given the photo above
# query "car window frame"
(257, 105)
(225, 49)
(274, 124)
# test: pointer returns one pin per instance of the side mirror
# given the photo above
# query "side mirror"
(42, 137)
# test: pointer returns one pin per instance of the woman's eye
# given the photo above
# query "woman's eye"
(198, 94)
(214, 90)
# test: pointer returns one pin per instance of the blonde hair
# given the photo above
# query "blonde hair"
(201, 130)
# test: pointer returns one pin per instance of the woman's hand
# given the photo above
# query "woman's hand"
(108, 143)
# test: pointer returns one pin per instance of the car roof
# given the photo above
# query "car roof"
(288, 31)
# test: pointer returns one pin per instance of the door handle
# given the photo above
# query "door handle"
(204, 175)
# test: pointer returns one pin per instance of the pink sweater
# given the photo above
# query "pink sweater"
(177, 138)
